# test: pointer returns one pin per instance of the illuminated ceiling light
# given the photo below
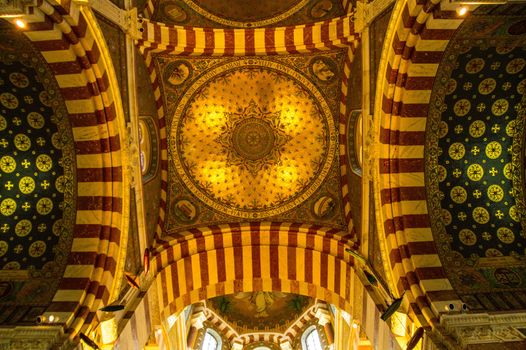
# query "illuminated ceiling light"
(20, 23)
(462, 10)
(354, 325)
(51, 318)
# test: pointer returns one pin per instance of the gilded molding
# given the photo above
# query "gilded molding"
(367, 12)
(14, 8)
(484, 328)
(33, 338)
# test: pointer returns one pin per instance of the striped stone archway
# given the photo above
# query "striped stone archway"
(203, 263)
(291, 258)
(417, 36)
(69, 40)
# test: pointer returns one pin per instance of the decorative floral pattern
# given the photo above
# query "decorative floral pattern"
(478, 150)
(240, 144)
(31, 113)
(474, 191)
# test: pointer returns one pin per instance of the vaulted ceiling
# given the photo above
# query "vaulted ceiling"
(475, 159)
(37, 173)
(260, 311)
(252, 139)
(245, 14)
(249, 190)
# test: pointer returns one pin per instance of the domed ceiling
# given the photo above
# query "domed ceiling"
(245, 13)
(260, 311)
(252, 139)
(475, 153)
(37, 208)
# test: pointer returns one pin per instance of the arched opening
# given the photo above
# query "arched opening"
(286, 259)
(212, 340)
(310, 340)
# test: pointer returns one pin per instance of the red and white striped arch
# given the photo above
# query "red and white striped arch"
(220, 260)
(343, 137)
(418, 34)
(69, 43)
(163, 38)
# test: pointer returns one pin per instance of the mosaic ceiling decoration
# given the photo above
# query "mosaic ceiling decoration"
(245, 14)
(260, 311)
(252, 139)
(36, 177)
(475, 152)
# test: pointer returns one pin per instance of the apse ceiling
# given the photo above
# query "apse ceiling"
(37, 207)
(260, 311)
(252, 139)
(475, 164)
(245, 13)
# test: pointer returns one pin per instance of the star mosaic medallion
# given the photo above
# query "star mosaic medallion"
(253, 139)
(475, 162)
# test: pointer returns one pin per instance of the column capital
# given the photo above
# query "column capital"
(285, 345)
(365, 13)
(323, 315)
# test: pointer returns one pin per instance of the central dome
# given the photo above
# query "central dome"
(253, 138)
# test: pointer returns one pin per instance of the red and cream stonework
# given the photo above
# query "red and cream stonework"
(65, 35)
(418, 34)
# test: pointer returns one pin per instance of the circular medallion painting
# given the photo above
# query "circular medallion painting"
(247, 13)
(37, 178)
(253, 138)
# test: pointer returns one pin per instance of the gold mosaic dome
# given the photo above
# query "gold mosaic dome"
(253, 138)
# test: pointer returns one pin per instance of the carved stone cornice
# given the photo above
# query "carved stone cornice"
(34, 338)
(367, 12)
(12, 8)
(198, 315)
(469, 329)
(125, 19)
